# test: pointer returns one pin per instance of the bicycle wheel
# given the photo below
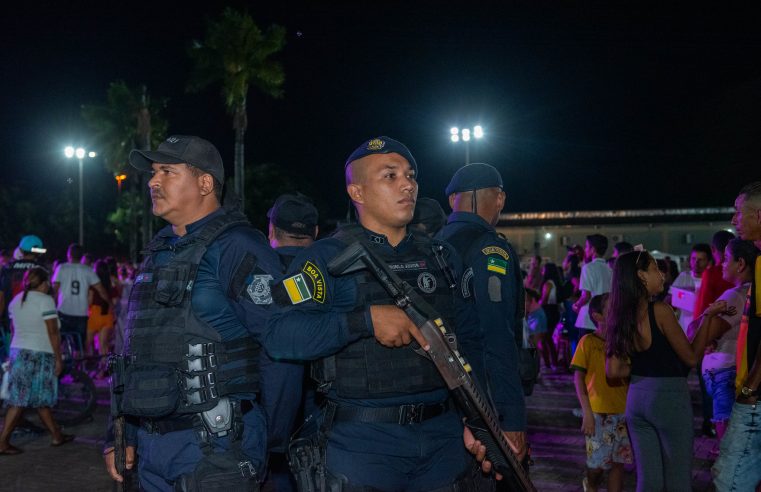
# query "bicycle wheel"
(76, 398)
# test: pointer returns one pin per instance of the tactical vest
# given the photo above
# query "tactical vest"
(367, 369)
(175, 362)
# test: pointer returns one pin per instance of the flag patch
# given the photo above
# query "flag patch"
(297, 289)
(496, 265)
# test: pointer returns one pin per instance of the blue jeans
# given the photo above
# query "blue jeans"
(738, 467)
(720, 385)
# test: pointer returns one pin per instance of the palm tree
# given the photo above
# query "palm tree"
(129, 120)
(237, 54)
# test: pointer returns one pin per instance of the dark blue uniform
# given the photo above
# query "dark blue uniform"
(163, 458)
(328, 318)
(492, 279)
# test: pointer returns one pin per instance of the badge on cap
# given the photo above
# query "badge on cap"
(375, 144)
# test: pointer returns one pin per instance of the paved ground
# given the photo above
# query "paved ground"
(557, 449)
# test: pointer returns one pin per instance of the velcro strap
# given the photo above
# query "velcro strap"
(402, 415)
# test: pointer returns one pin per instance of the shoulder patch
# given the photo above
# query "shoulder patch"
(259, 289)
(297, 289)
(318, 281)
(496, 250)
(466, 278)
(496, 265)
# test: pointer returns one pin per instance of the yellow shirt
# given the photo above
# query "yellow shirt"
(590, 359)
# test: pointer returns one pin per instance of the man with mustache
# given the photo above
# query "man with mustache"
(193, 375)
(389, 423)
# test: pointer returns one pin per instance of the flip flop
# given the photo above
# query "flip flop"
(11, 450)
(64, 439)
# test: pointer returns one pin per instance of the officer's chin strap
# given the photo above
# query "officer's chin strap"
(474, 202)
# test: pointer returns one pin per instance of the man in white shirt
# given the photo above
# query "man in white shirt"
(700, 257)
(71, 282)
(595, 279)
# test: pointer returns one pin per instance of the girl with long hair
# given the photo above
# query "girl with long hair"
(646, 343)
(35, 358)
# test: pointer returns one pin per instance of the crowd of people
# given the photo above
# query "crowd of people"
(224, 336)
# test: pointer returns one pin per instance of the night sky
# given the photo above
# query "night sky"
(585, 106)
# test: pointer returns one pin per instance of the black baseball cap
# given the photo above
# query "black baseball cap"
(294, 213)
(382, 145)
(182, 149)
(473, 177)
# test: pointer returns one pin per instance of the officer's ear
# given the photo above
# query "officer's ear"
(451, 200)
(206, 184)
(355, 192)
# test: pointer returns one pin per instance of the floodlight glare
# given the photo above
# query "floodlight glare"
(478, 131)
(69, 152)
(465, 134)
(548, 235)
(454, 130)
(455, 138)
(80, 153)
(91, 154)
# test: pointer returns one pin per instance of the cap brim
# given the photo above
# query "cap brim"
(144, 159)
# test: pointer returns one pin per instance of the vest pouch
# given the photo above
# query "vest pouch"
(172, 282)
(150, 390)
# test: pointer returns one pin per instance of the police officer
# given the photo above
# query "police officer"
(193, 367)
(389, 424)
(492, 279)
(292, 227)
(429, 217)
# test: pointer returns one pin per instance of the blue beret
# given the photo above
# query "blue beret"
(474, 177)
(382, 145)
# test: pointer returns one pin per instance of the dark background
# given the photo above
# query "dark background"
(585, 105)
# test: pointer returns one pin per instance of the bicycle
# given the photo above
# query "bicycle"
(77, 397)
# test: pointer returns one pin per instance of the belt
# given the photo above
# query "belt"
(184, 422)
(402, 415)
(168, 424)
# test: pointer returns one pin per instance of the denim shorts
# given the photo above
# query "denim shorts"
(720, 385)
(610, 443)
(738, 467)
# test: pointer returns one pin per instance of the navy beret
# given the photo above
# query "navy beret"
(474, 177)
(294, 213)
(382, 145)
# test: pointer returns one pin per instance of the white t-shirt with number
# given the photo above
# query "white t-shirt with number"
(29, 329)
(75, 280)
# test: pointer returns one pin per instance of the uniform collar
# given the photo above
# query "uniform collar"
(469, 218)
(168, 233)
(382, 240)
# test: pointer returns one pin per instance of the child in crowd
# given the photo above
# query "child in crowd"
(603, 403)
(537, 325)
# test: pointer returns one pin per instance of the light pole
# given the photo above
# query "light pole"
(465, 134)
(80, 154)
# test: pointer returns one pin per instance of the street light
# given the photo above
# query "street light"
(465, 134)
(80, 154)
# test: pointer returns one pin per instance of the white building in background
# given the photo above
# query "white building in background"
(665, 232)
